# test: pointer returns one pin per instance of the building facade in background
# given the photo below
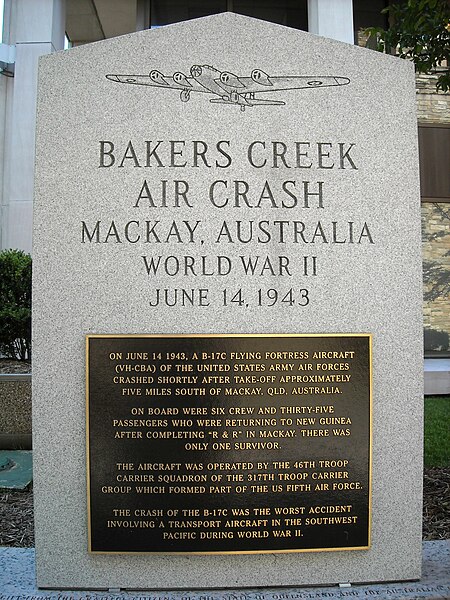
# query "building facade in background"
(433, 113)
(32, 28)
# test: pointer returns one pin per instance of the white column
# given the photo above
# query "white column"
(143, 15)
(332, 19)
(35, 27)
(5, 94)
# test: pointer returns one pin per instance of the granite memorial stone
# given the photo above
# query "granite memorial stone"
(227, 312)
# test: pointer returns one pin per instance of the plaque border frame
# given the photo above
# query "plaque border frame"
(90, 336)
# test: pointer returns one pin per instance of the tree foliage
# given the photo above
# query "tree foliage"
(419, 31)
(15, 304)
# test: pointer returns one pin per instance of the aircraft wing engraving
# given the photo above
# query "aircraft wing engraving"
(229, 88)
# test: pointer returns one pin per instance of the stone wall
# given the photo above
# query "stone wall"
(436, 261)
(15, 413)
(432, 106)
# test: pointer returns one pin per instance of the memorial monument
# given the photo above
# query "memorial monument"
(227, 312)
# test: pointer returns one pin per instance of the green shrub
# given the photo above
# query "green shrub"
(15, 304)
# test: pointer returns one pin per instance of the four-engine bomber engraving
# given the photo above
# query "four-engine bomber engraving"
(229, 88)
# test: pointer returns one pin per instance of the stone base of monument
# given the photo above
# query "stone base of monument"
(17, 582)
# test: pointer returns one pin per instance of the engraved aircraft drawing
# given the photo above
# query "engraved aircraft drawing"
(227, 87)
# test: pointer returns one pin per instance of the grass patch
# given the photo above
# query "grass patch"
(437, 431)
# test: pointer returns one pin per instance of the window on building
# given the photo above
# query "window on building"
(367, 13)
(434, 151)
(164, 12)
(292, 13)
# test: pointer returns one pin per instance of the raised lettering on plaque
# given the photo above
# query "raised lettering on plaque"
(229, 443)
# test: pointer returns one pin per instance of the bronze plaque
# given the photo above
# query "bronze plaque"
(228, 443)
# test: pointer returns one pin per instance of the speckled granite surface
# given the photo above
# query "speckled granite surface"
(17, 582)
(84, 287)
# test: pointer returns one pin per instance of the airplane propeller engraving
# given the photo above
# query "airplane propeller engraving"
(227, 87)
